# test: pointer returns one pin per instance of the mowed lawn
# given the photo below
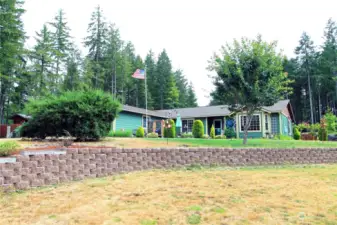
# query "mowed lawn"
(265, 195)
(237, 143)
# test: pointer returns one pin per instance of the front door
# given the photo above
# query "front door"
(217, 126)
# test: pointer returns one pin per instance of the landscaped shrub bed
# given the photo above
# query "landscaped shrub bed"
(8, 147)
(120, 133)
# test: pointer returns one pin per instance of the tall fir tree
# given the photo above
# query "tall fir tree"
(150, 64)
(171, 95)
(306, 56)
(12, 39)
(61, 37)
(182, 85)
(191, 97)
(72, 79)
(163, 72)
(42, 58)
(96, 41)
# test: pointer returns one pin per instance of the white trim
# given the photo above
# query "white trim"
(148, 117)
(250, 131)
(187, 119)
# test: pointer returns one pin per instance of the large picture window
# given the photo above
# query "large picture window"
(187, 126)
(254, 125)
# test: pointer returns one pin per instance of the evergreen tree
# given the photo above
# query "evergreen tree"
(61, 38)
(162, 75)
(42, 62)
(182, 85)
(306, 56)
(12, 39)
(191, 97)
(96, 41)
(72, 79)
(171, 97)
(150, 64)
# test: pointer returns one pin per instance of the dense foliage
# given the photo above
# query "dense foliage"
(249, 75)
(314, 71)
(212, 133)
(85, 115)
(140, 133)
(230, 133)
(187, 135)
(8, 147)
(198, 129)
(331, 121)
(55, 64)
(296, 134)
(170, 129)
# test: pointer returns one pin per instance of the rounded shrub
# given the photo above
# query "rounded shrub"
(198, 129)
(212, 133)
(187, 135)
(230, 133)
(297, 134)
(85, 115)
(140, 132)
(220, 137)
(170, 129)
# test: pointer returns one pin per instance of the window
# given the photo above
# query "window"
(187, 126)
(254, 125)
(266, 122)
(144, 121)
(274, 124)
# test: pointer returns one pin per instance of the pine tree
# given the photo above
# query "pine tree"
(72, 79)
(182, 84)
(96, 41)
(191, 97)
(306, 59)
(61, 38)
(171, 95)
(163, 72)
(42, 62)
(12, 38)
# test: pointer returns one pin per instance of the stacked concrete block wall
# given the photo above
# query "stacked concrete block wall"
(79, 163)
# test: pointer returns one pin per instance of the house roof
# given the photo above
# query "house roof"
(200, 112)
(26, 117)
(133, 109)
(204, 111)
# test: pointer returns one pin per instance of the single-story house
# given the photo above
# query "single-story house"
(271, 120)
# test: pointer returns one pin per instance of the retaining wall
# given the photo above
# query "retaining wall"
(32, 170)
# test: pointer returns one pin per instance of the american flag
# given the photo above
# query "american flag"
(139, 74)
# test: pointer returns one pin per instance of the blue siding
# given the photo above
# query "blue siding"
(252, 135)
(128, 121)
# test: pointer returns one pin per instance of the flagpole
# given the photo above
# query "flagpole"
(146, 103)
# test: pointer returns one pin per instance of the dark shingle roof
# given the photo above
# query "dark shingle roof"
(199, 112)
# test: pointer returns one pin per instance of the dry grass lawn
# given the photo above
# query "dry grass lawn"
(286, 195)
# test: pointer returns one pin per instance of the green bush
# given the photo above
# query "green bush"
(152, 135)
(170, 129)
(212, 134)
(86, 115)
(140, 132)
(187, 135)
(198, 129)
(297, 134)
(220, 137)
(230, 133)
(323, 132)
(120, 133)
(331, 121)
(205, 137)
(8, 147)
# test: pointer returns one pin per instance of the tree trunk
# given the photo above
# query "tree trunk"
(247, 125)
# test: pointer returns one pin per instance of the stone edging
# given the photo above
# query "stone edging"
(40, 168)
